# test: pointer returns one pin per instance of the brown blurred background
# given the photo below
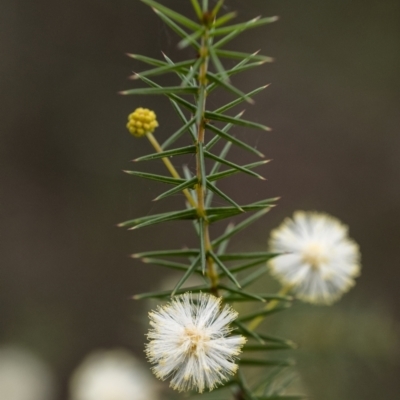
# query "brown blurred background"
(334, 108)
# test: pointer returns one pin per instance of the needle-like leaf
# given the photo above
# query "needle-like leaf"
(232, 165)
(181, 19)
(154, 177)
(224, 268)
(234, 140)
(184, 278)
(177, 29)
(168, 153)
(184, 185)
(167, 253)
(175, 136)
(235, 121)
(160, 90)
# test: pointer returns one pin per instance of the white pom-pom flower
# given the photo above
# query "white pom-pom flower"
(23, 376)
(319, 262)
(112, 375)
(190, 342)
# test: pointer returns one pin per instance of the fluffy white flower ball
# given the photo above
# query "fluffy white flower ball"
(320, 261)
(190, 342)
(23, 376)
(112, 375)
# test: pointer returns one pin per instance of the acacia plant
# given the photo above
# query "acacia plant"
(190, 340)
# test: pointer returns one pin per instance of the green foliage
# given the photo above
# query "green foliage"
(199, 77)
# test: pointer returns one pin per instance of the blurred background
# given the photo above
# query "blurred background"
(333, 104)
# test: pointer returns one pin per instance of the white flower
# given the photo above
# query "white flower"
(112, 375)
(190, 342)
(23, 376)
(320, 263)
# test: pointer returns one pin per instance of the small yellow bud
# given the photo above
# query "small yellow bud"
(141, 122)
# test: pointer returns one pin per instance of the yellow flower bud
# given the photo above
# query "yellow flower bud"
(141, 122)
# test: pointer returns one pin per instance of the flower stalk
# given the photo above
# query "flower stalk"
(200, 161)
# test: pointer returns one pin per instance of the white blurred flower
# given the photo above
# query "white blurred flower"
(320, 263)
(23, 376)
(112, 375)
(190, 342)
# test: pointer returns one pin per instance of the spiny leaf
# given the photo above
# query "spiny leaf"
(218, 213)
(247, 332)
(201, 226)
(222, 266)
(242, 225)
(263, 312)
(184, 278)
(200, 102)
(241, 56)
(147, 60)
(166, 263)
(167, 293)
(217, 64)
(234, 103)
(203, 175)
(283, 385)
(275, 339)
(247, 394)
(247, 256)
(175, 136)
(232, 165)
(261, 362)
(229, 172)
(182, 117)
(168, 153)
(239, 67)
(139, 220)
(174, 216)
(234, 140)
(184, 185)
(190, 39)
(242, 293)
(267, 381)
(248, 265)
(197, 8)
(266, 347)
(263, 296)
(235, 121)
(154, 177)
(188, 23)
(224, 19)
(168, 253)
(172, 96)
(179, 73)
(238, 28)
(186, 80)
(180, 67)
(224, 245)
(160, 90)
(216, 166)
(253, 277)
(217, 7)
(177, 29)
(217, 138)
(226, 85)
(220, 193)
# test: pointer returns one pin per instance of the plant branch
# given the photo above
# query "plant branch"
(170, 168)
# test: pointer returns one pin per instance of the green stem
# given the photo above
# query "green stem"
(200, 162)
(270, 306)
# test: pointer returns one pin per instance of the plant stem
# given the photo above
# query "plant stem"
(270, 306)
(200, 162)
(170, 168)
